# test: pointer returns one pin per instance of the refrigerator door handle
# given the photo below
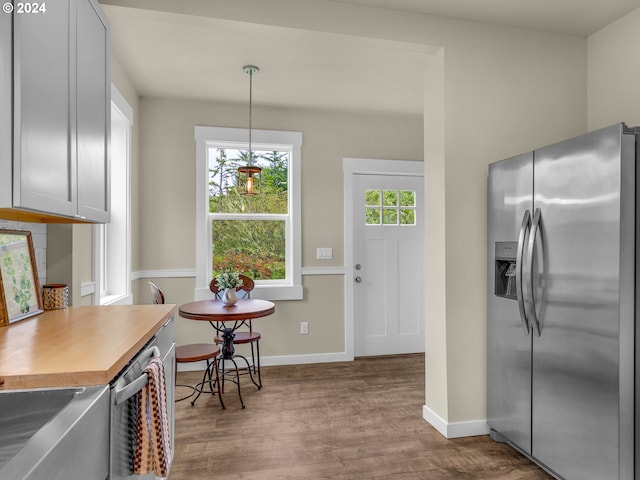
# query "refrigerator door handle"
(535, 229)
(522, 237)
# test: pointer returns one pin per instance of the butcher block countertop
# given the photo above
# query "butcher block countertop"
(76, 346)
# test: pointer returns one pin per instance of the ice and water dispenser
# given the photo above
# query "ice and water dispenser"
(505, 270)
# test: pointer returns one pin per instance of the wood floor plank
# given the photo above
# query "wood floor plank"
(339, 421)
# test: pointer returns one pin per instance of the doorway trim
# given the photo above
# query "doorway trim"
(363, 166)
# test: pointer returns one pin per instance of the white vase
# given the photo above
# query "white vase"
(229, 297)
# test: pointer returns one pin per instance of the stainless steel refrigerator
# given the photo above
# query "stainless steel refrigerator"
(562, 302)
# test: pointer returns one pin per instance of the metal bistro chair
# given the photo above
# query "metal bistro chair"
(250, 337)
(194, 352)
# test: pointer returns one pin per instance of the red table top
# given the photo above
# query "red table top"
(217, 311)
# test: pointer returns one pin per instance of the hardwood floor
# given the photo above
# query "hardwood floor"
(348, 421)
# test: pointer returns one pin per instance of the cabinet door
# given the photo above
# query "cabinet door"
(6, 48)
(169, 363)
(93, 97)
(44, 162)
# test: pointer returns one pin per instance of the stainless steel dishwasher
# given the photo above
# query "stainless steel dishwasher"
(124, 388)
(55, 434)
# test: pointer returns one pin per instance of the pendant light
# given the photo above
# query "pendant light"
(249, 175)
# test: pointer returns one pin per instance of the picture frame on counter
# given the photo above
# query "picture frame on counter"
(19, 285)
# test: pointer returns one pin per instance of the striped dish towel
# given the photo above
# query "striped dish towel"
(153, 446)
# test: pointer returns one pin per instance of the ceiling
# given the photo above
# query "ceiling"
(192, 57)
(573, 17)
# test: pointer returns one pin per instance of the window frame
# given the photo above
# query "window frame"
(112, 258)
(206, 137)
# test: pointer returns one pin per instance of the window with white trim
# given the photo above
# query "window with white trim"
(255, 235)
(112, 241)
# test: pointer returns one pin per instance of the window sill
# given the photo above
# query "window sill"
(264, 292)
(117, 300)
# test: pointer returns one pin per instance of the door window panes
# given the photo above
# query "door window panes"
(372, 198)
(407, 198)
(390, 217)
(372, 216)
(390, 198)
(390, 207)
(407, 217)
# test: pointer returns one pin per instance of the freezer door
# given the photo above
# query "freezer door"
(510, 199)
(578, 289)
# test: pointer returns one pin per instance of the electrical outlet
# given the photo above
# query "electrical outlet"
(304, 328)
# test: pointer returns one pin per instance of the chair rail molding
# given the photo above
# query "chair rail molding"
(175, 273)
(191, 272)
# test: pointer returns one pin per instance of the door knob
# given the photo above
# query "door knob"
(358, 279)
(358, 266)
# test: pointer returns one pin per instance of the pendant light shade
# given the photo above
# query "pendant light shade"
(249, 175)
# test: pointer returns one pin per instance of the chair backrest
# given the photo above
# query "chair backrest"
(247, 285)
(157, 297)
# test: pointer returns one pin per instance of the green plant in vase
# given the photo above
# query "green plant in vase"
(229, 281)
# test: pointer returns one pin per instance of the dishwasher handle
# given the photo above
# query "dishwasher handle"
(125, 392)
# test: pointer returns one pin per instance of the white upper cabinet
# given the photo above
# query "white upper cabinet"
(61, 115)
(93, 107)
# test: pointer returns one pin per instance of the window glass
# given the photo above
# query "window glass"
(390, 207)
(390, 198)
(372, 216)
(407, 217)
(112, 241)
(223, 181)
(253, 247)
(390, 217)
(372, 198)
(407, 198)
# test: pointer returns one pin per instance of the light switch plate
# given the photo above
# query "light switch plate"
(325, 253)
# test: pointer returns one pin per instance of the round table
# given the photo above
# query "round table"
(215, 311)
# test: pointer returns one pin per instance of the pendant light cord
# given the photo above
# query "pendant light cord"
(249, 170)
(250, 111)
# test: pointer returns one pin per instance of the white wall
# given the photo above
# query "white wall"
(505, 92)
(613, 73)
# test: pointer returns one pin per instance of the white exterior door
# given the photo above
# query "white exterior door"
(388, 254)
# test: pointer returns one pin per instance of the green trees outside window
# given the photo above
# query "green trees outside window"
(390, 207)
(248, 232)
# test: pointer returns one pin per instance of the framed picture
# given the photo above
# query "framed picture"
(19, 285)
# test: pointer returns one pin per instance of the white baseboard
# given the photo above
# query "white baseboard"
(281, 360)
(455, 429)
